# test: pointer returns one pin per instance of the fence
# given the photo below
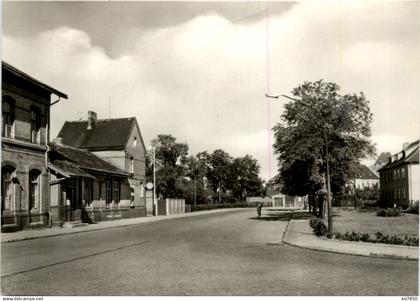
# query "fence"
(192, 208)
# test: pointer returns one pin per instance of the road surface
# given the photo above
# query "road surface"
(229, 253)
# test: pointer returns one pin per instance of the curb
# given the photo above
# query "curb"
(336, 251)
(142, 221)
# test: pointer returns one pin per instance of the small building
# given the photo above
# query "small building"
(26, 104)
(86, 188)
(254, 200)
(281, 200)
(400, 177)
(363, 177)
(117, 141)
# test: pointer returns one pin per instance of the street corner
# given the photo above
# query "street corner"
(299, 234)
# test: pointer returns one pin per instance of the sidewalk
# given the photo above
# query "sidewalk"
(56, 231)
(298, 233)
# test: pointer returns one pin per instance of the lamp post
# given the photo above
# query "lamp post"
(325, 137)
(155, 205)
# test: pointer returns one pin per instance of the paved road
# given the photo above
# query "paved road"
(228, 253)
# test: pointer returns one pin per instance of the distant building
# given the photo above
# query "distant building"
(363, 177)
(400, 177)
(280, 200)
(25, 191)
(120, 143)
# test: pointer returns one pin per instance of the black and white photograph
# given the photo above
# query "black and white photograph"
(210, 148)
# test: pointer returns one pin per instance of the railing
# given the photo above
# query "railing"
(201, 207)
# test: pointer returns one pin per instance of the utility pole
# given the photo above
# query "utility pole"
(109, 107)
(154, 182)
(195, 190)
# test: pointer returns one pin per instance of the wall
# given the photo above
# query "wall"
(116, 158)
(23, 102)
(414, 184)
(20, 153)
(393, 186)
(138, 152)
(362, 183)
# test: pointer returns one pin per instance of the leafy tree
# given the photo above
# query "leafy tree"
(168, 154)
(168, 151)
(383, 159)
(244, 178)
(218, 171)
(196, 168)
(320, 120)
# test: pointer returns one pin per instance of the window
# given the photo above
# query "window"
(7, 196)
(35, 124)
(131, 165)
(403, 173)
(135, 142)
(8, 117)
(108, 192)
(88, 192)
(34, 189)
(403, 194)
(141, 190)
(394, 175)
(116, 191)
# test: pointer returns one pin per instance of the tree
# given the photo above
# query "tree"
(244, 178)
(196, 168)
(321, 121)
(169, 154)
(218, 171)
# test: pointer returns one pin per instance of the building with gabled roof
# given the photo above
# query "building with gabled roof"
(85, 187)
(26, 104)
(281, 200)
(120, 143)
(400, 177)
(363, 177)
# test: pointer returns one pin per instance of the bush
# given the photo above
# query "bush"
(381, 212)
(413, 209)
(318, 226)
(391, 212)
(380, 238)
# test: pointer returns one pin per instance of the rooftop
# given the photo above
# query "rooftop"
(105, 134)
(20, 74)
(76, 161)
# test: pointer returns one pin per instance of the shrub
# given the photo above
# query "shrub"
(394, 212)
(365, 237)
(380, 238)
(318, 226)
(391, 212)
(381, 212)
(414, 209)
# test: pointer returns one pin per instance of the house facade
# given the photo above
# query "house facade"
(26, 106)
(86, 188)
(399, 178)
(363, 177)
(281, 200)
(118, 142)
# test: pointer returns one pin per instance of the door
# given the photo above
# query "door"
(73, 200)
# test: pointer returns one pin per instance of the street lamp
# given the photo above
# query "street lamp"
(325, 136)
(155, 205)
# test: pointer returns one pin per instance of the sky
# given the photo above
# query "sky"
(199, 70)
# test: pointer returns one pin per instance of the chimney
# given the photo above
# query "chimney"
(91, 120)
(405, 145)
(58, 140)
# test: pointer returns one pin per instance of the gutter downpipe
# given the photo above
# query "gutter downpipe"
(46, 158)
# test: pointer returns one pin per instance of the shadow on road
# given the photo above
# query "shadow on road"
(282, 216)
